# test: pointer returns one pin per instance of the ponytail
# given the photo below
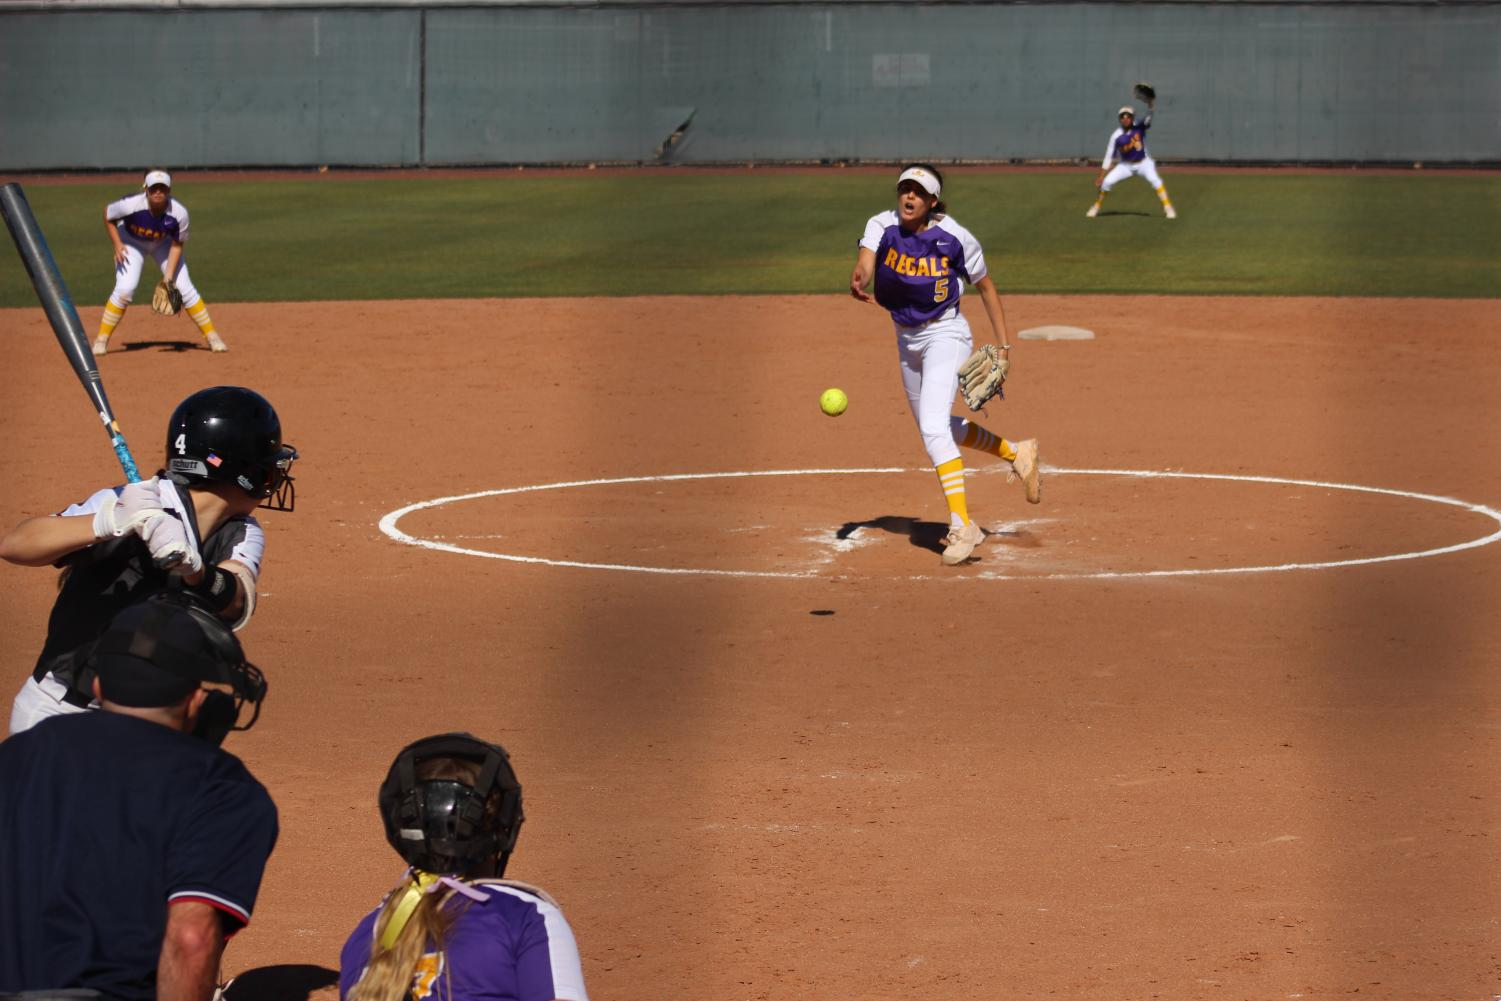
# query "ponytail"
(411, 922)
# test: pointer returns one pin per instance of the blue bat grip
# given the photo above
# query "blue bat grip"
(122, 452)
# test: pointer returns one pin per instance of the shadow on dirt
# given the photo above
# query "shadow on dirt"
(163, 345)
(922, 534)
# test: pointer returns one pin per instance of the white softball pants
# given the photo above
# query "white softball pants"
(1146, 169)
(128, 275)
(36, 701)
(930, 357)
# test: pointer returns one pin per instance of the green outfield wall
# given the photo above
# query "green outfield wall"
(92, 86)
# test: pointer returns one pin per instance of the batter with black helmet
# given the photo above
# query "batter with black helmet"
(453, 929)
(188, 528)
(131, 845)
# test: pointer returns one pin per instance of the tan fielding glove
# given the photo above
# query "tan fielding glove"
(166, 300)
(982, 375)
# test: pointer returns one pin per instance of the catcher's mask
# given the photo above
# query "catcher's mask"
(159, 651)
(229, 434)
(451, 826)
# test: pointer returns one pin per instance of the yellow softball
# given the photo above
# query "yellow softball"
(833, 402)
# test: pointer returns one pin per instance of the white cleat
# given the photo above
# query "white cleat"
(1171, 212)
(101, 346)
(216, 343)
(1025, 468)
(1094, 210)
(960, 542)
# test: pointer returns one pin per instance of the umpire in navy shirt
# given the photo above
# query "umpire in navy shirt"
(131, 846)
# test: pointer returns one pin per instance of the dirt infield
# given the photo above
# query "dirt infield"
(1142, 748)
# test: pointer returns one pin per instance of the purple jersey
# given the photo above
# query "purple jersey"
(514, 946)
(132, 217)
(1130, 145)
(920, 276)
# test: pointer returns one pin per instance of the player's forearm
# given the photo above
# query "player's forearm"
(996, 313)
(865, 266)
(174, 256)
(191, 949)
(230, 594)
(38, 542)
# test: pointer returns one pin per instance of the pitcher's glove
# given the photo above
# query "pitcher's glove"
(166, 300)
(982, 375)
(1146, 92)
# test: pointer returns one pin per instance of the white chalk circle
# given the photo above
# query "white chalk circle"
(388, 525)
(1056, 332)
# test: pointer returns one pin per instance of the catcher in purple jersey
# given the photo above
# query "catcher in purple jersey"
(452, 929)
(921, 258)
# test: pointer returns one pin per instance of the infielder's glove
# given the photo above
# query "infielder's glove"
(981, 376)
(1146, 92)
(166, 300)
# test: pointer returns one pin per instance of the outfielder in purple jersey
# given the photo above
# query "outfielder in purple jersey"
(1128, 145)
(921, 259)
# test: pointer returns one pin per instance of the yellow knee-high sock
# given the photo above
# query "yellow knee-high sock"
(1100, 200)
(199, 312)
(1163, 198)
(981, 440)
(951, 479)
(113, 314)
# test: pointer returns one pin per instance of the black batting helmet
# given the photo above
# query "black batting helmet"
(229, 434)
(451, 825)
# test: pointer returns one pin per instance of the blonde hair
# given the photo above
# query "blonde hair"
(388, 976)
(392, 967)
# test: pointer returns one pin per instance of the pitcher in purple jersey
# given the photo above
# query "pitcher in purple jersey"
(1128, 143)
(452, 929)
(921, 259)
(151, 224)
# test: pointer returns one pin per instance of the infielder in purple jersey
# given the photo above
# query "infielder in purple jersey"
(452, 929)
(921, 259)
(1128, 144)
(151, 224)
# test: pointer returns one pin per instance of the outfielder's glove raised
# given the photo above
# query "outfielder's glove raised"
(166, 300)
(982, 375)
(1146, 92)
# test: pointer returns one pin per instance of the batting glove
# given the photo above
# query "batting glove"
(167, 538)
(124, 513)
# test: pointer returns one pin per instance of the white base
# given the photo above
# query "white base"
(1056, 333)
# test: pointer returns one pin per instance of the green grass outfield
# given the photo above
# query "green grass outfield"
(1327, 233)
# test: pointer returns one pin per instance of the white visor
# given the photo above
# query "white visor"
(157, 177)
(924, 177)
(1127, 110)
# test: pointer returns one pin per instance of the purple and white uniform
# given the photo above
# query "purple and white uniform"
(919, 279)
(515, 945)
(1130, 145)
(146, 235)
